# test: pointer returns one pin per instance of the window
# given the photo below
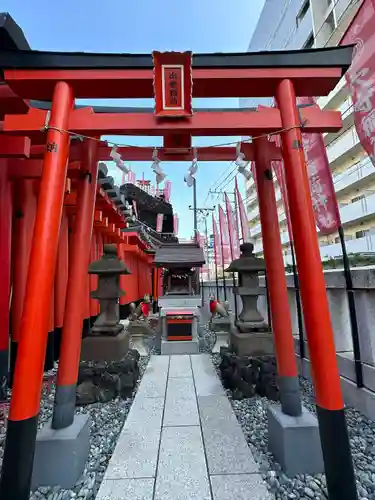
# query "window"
(309, 42)
(302, 13)
(357, 198)
(361, 234)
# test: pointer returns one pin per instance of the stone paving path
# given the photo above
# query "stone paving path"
(181, 439)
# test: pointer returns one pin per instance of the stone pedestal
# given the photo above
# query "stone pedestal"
(139, 328)
(179, 347)
(220, 325)
(182, 346)
(61, 455)
(295, 441)
(251, 344)
(103, 348)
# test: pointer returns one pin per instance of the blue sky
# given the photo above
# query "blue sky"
(141, 26)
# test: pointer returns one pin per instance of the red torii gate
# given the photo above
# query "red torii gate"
(63, 77)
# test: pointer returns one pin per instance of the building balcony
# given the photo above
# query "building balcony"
(344, 148)
(347, 114)
(358, 210)
(258, 246)
(256, 230)
(357, 176)
(335, 97)
(284, 236)
(359, 245)
(250, 185)
(254, 212)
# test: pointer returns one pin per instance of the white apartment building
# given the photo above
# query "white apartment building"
(292, 24)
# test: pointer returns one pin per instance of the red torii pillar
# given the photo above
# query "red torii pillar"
(61, 281)
(334, 437)
(93, 278)
(276, 281)
(77, 291)
(5, 273)
(25, 403)
(25, 204)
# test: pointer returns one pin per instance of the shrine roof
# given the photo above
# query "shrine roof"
(145, 200)
(179, 255)
(11, 35)
(22, 58)
(102, 75)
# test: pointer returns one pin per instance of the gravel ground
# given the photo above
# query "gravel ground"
(206, 338)
(252, 415)
(107, 421)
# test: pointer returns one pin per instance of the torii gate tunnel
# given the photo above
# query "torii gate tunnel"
(36, 144)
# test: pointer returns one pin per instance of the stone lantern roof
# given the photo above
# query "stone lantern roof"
(247, 261)
(108, 263)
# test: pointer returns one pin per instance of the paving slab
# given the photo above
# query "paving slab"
(215, 410)
(180, 366)
(125, 489)
(239, 487)
(181, 403)
(207, 383)
(154, 380)
(226, 447)
(227, 451)
(181, 439)
(147, 412)
(182, 470)
(135, 455)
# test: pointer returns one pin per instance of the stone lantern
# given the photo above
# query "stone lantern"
(107, 340)
(251, 334)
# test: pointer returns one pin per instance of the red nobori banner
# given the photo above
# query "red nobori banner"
(167, 190)
(278, 168)
(135, 209)
(159, 222)
(131, 177)
(224, 235)
(173, 84)
(242, 212)
(253, 171)
(234, 241)
(200, 240)
(327, 216)
(217, 249)
(360, 76)
(175, 224)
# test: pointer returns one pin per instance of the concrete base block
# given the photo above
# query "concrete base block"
(251, 344)
(60, 455)
(222, 340)
(220, 325)
(179, 347)
(295, 441)
(103, 348)
(139, 328)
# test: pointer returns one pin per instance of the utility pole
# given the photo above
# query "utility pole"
(232, 193)
(204, 212)
(195, 210)
(229, 193)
